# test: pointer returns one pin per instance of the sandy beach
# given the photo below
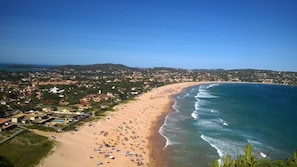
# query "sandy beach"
(125, 137)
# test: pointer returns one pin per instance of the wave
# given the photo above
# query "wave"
(196, 105)
(212, 85)
(168, 130)
(223, 122)
(255, 143)
(168, 141)
(214, 111)
(223, 147)
(204, 93)
(258, 145)
(183, 96)
(195, 115)
(209, 124)
(163, 128)
(204, 111)
(175, 106)
(263, 155)
(163, 132)
(213, 143)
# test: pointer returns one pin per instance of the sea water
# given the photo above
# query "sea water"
(213, 120)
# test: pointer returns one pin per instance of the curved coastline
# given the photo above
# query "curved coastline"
(126, 137)
(158, 157)
(222, 122)
(143, 117)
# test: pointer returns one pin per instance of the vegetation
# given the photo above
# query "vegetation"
(249, 160)
(25, 150)
(4, 162)
(94, 89)
(30, 90)
(39, 127)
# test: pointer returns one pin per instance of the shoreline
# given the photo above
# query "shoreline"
(128, 136)
(161, 160)
(158, 157)
(132, 131)
(157, 141)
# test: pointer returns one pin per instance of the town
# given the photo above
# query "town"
(57, 97)
(48, 100)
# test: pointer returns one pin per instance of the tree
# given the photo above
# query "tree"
(249, 160)
(3, 110)
(4, 162)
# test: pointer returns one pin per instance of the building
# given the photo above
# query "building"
(17, 118)
(5, 124)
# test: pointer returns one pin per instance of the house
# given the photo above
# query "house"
(40, 118)
(43, 121)
(25, 120)
(4, 121)
(33, 116)
(5, 124)
(17, 118)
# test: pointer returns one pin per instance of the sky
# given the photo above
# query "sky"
(208, 34)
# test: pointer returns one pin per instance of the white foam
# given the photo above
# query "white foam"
(204, 94)
(257, 145)
(214, 111)
(223, 122)
(195, 115)
(183, 96)
(212, 85)
(174, 106)
(263, 155)
(196, 105)
(162, 132)
(211, 141)
(196, 97)
(209, 124)
(166, 138)
(224, 146)
(253, 142)
(212, 124)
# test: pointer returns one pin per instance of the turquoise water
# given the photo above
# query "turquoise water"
(210, 121)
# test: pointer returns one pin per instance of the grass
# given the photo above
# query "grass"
(6, 134)
(40, 127)
(26, 150)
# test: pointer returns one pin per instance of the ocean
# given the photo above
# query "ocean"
(212, 120)
(23, 67)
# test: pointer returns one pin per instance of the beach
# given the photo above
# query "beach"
(127, 136)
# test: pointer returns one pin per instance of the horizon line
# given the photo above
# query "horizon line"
(209, 69)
